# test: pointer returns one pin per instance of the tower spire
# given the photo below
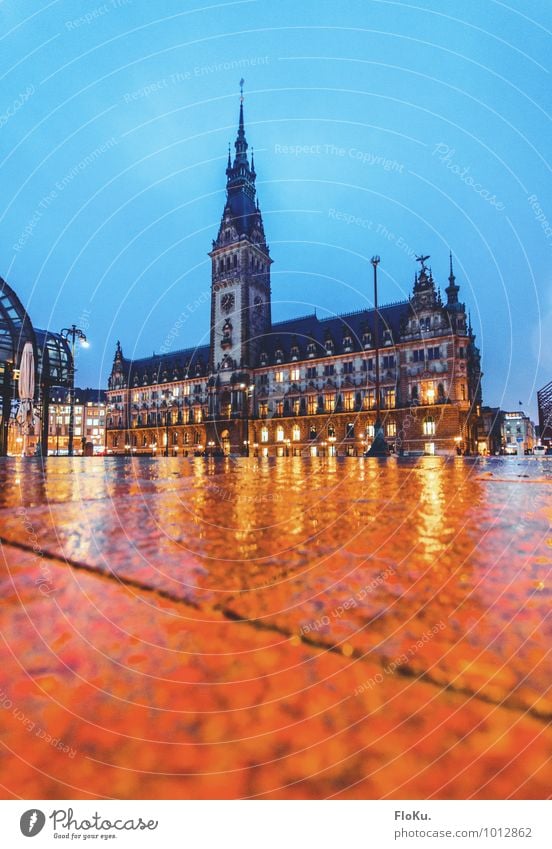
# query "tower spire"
(452, 289)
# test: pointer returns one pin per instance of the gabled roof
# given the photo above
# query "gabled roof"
(301, 332)
(176, 364)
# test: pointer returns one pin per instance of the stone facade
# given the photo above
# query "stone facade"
(305, 386)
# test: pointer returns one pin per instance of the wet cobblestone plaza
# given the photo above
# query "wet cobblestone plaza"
(291, 628)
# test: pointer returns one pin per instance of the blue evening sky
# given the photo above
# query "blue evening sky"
(379, 127)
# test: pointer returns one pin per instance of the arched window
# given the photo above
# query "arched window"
(296, 433)
(279, 434)
(264, 434)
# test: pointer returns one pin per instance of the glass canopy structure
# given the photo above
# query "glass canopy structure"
(52, 357)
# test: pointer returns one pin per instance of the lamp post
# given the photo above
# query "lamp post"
(378, 447)
(248, 394)
(168, 401)
(73, 333)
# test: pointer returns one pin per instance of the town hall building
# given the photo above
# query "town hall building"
(305, 386)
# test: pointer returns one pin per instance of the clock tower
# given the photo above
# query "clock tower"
(240, 271)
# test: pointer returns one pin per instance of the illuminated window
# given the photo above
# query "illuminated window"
(279, 434)
(370, 431)
(429, 427)
(295, 374)
(296, 433)
(329, 402)
(311, 405)
(391, 429)
(370, 399)
(428, 392)
(279, 376)
(349, 401)
(264, 434)
(389, 397)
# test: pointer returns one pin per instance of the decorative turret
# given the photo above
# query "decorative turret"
(116, 378)
(424, 294)
(452, 290)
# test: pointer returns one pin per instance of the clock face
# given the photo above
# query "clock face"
(227, 302)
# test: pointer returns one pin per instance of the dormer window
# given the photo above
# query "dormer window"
(279, 355)
(329, 345)
(347, 343)
(264, 359)
(366, 340)
(295, 353)
(387, 337)
(311, 350)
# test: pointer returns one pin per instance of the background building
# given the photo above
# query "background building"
(306, 385)
(517, 430)
(544, 400)
(89, 420)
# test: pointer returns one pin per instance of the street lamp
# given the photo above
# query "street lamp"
(169, 399)
(248, 394)
(73, 333)
(378, 447)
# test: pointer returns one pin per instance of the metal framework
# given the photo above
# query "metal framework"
(52, 356)
(544, 399)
